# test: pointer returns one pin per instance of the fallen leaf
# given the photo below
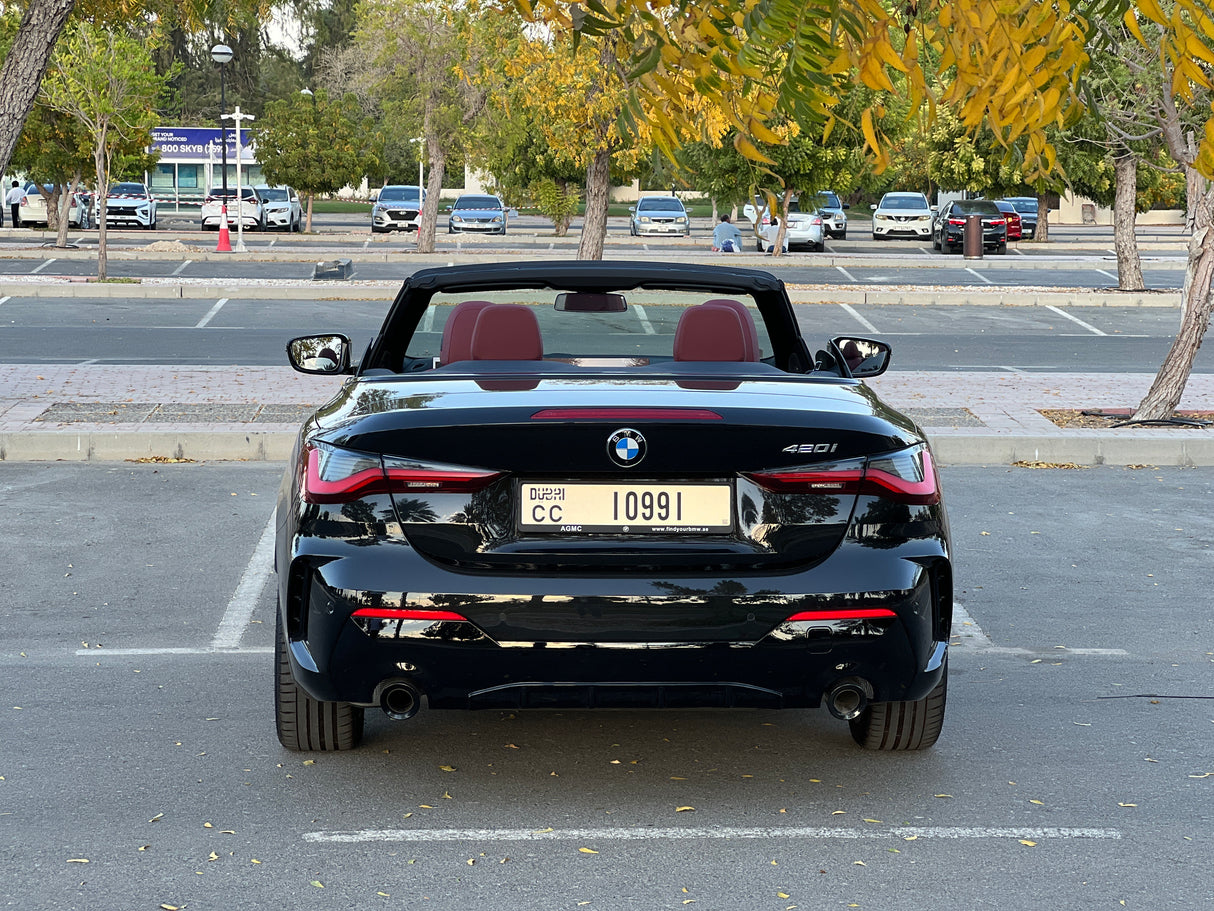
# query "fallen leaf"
(169, 907)
(212, 857)
(157, 817)
(1027, 843)
(859, 863)
(1039, 803)
(447, 768)
(683, 809)
(77, 860)
(471, 861)
(254, 861)
(1127, 804)
(872, 820)
(425, 806)
(782, 895)
(447, 795)
(911, 838)
(207, 825)
(318, 884)
(309, 762)
(383, 894)
(838, 813)
(542, 831)
(588, 850)
(943, 795)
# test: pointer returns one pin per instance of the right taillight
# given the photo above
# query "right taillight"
(905, 477)
(335, 475)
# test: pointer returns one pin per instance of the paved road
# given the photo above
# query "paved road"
(1074, 771)
(254, 331)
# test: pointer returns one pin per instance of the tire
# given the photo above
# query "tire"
(903, 726)
(876, 237)
(377, 230)
(842, 235)
(303, 723)
(935, 243)
(1001, 250)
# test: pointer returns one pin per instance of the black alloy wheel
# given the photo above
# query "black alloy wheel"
(903, 726)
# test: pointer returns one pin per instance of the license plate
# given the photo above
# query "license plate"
(637, 508)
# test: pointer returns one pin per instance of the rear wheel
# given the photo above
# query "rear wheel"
(903, 726)
(304, 723)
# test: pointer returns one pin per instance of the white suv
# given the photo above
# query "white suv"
(252, 215)
(397, 208)
(902, 215)
(129, 204)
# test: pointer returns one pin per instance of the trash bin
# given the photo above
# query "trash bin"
(972, 247)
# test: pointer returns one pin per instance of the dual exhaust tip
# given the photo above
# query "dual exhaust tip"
(848, 698)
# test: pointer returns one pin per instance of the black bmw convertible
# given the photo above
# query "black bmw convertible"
(607, 484)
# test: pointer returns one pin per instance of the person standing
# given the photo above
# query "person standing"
(13, 201)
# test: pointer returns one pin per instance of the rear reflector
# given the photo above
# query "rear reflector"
(626, 414)
(399, 613)
(857, 613)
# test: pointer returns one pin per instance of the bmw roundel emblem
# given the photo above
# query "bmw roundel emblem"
(626, 447)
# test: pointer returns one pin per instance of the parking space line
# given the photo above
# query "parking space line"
(211, 313)
(645, 324)
(858, 318)
(100, 652)
(45, 263)
(428, 320)
(851, 278)
(708, 833)
(1107, 274)
(244, 600)
(181, 268)
(979, 275)
(1076, 320)
(4, 300)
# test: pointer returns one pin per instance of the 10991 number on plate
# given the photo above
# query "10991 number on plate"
(639, 508)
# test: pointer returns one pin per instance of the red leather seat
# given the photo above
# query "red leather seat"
(748, 324)
(457, 333)
(710, 334)
(507, 332)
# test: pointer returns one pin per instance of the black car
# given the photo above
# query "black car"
(596, 484)
(948, 228)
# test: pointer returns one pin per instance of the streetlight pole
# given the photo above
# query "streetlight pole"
(222, 55)
(237, 116)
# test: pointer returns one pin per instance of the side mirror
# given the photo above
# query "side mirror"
(847, 205)
(324, 354)
(873, 206)
(863, 357)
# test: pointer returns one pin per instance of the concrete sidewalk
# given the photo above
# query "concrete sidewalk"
(101, 412)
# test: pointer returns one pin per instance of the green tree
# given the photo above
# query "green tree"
(316, 144)
(106, 80)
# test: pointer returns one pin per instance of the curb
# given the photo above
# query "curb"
(1178, 447)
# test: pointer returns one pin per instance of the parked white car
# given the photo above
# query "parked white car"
(902, 215)
(252, 215)
(33, 208)
(282, 207)
(805, 229)
(128, 204)
(397, 208)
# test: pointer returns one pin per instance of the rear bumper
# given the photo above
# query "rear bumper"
(548, 641)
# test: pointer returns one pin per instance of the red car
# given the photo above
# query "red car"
(1012, 216)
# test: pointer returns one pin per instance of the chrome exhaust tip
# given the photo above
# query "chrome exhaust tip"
(400, 700)
(848, 699)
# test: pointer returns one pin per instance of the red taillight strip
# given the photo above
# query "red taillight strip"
(359, 484)
(811, 481)
(857, 613)
(917, 493)
(401, 613)
(626, 414)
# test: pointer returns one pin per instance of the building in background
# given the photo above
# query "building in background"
(191, 163)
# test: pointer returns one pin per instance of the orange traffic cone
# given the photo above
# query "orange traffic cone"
(225, 240)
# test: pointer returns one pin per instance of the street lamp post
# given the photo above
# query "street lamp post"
(222, 54)
(238, 117)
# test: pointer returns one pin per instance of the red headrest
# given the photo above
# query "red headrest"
(507, 332)
(748, 324)
(709, 334)
(457, 333)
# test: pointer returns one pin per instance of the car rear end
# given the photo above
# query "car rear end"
(752, 558)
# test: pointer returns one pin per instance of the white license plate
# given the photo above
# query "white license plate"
(638, 508)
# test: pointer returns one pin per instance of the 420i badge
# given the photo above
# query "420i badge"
(626, 447)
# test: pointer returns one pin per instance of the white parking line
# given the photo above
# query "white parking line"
(858, 318)
(851, 278)
(181, 268)
(645, 324)
(244, 600)
(706, 833)
(101, 651)
(43, 266)
(4, 300)
(1108, 274)
(211, 313)
(428, 320)
(979, 275)
(1076, 320)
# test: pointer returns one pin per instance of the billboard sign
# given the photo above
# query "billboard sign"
(198, 144)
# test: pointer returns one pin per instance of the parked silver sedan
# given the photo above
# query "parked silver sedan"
(477, 212)
(659, 215)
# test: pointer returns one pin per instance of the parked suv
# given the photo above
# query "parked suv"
(834, 219)
(950, 226)
(251, 212)
(902, 215)
(397, 208)
(129, 204)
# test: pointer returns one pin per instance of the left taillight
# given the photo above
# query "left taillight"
(905, 477)
(335, 475)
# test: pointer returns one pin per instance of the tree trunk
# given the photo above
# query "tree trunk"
(1125, 212)
(101, 161)
(310, 198)
(434, 189)
(598, 191)
(25, 66)
(1168, 386)
(1042, 233)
